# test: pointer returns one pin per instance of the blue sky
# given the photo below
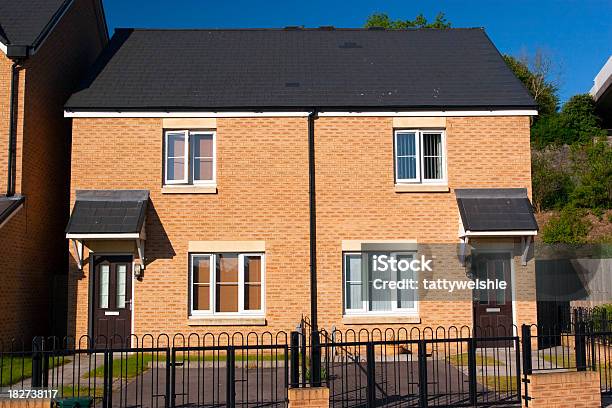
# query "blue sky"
(577, 34)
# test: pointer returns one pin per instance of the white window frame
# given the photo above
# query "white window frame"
(420, 179)
(213, 283)
(189, 168)
(364, 310)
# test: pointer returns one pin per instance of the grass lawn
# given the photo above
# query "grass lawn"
(70, 391)
(501, 383)
(559, 360)
(131, 366)
(15, 369)
(462, 360)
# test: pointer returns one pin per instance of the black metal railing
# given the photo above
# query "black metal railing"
(426, 367)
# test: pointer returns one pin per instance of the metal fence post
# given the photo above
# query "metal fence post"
(422, 354)
(303, 351)
(231, 377)
(527, 363)
(169, 378)
(315, 360)
(107, 387)
(37, 362)
(526, 339)
(472, 369)
(371, 374)
(579, 341)
(295, 359)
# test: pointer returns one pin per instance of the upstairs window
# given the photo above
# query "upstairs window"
(420, 156)
(189, 157)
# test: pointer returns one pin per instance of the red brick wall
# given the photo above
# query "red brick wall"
(263, 195)
(32, 245)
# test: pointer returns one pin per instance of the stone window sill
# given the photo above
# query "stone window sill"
(421, 188)
(227, 321)
(364, 320)
(189, 190)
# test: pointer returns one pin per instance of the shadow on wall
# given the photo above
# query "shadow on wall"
(157, 246)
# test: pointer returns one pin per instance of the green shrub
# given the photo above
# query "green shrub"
(567, 227)
(551, 184)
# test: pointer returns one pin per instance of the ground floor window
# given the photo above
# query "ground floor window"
(364, 288)
(226, 283)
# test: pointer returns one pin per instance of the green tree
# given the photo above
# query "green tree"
(577, 123)
(383, 20)
(593, 171)
(534, 74)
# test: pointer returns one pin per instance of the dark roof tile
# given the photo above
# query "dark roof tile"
(225, 69)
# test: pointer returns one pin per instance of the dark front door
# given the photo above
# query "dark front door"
(493, 306)
(112, 299)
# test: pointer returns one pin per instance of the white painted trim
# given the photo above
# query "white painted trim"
(104, 236)
(15, 211)
(499, 233)
(3, 47)
(245, 114)
(299, 114)
(501, 112)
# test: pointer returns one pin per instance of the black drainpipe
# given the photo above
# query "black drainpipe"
(12, 142)
(315, 368)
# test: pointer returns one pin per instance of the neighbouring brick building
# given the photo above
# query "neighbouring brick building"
(194, 153)
(47, 45)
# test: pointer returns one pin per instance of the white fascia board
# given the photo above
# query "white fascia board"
(3, 47)
(501, 112)
(104, 236)
(252, 114)
(500, 233)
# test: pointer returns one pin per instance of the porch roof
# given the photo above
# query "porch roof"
(506, 211)
(108, 213)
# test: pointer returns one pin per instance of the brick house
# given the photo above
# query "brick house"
(209, 167)
(46, 46)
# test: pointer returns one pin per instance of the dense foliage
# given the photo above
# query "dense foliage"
(576, 123)
(384, 21)
(535, 80)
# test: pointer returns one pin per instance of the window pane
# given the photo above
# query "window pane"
(227, 283)
(202, 169)
(432, 156)
(353, 296)
(227, 268)
(380, 299)
(353, 275)
(406, 168)
(201, 269)
(176, 145)
(201, 297)
(121, 285)
(405, 297)
(252, 296)
(227, 298)
(202, 145)
(252, 269)
(104, 283)
(406, 144)
(176, 169)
